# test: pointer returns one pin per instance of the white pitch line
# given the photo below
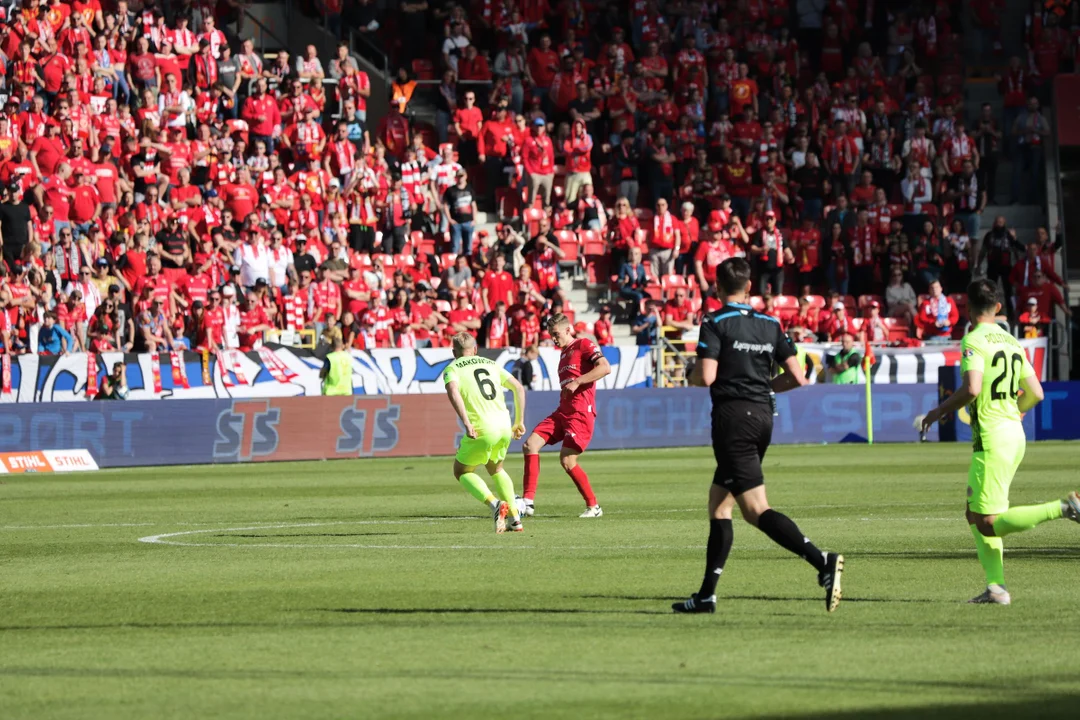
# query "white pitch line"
(162, 539)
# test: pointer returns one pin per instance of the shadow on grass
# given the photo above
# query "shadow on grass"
(720, 598)
(1057, 706)
(488, 611)
(305, 535)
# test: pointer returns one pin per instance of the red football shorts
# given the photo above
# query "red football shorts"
(573, 431)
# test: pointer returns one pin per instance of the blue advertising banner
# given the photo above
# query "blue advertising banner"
(286, 372)
(146, 433)
(1057, 417)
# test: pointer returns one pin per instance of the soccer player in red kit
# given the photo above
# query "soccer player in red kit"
(580, 366)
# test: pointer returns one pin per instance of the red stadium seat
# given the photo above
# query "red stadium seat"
(447, 260)
(857, 324)
(443, 306)
(849, 304)
(592, 243)
(568, 243)
(532, 217)
(896, 211)
(423, 69)
(787, 306)
(362, 260)
(817, 301)
(671, 283)
(644, 215)
(898, 329)
(757, 302)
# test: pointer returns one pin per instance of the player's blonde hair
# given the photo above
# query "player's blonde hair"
(463, 341)
(556, 320)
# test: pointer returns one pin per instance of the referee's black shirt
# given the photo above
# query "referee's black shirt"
(747, 345)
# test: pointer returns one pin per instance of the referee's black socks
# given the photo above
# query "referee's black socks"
(785, 533)
(721, 536)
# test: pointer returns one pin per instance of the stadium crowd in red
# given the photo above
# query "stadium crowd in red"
(167, 186)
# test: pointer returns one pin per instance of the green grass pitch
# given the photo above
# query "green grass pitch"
(377, 588)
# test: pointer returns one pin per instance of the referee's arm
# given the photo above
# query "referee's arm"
(708, 353)
(784, 355)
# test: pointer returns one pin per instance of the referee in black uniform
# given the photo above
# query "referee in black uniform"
(738, 354)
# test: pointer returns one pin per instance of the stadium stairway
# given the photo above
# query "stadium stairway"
(980, 87)
(584, 302)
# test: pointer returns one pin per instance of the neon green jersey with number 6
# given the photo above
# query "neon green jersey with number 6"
(481, 383)
(1001, 360)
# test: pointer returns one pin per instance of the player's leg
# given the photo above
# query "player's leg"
(1024, 517)
(568, 458)
(721, 536)
(472, 453)
(985, 500)
(578, 432)
(504, 486)
(547, 432)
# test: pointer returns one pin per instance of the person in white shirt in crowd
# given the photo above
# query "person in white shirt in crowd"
(253, 259)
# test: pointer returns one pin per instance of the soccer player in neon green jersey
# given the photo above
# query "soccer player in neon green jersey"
(475, 385)
(995, 369)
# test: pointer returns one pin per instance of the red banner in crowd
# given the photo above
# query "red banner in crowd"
(223, 369)
(91, 375)
(155, 372)
(237, 369)
(277, 369)
(1067, 108)
(179, 372)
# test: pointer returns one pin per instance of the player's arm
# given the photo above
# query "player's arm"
(601, 369)
(969, 390)
(458, 404)
(1033, 389)
(510, 382)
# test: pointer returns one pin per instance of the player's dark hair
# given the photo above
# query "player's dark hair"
(983, 295)
(732, 276)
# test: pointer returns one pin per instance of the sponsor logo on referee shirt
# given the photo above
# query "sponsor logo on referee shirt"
(753, 347)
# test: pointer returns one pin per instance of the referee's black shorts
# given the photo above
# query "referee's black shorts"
(741, 433)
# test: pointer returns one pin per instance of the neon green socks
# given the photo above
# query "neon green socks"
(990, 551)
(1025, 517)
(476, 487)
(504, 489)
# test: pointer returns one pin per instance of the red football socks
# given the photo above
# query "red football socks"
(532, 475)
(582, 481)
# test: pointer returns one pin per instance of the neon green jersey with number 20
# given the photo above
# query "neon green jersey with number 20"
(481, 383)
(1001, 360)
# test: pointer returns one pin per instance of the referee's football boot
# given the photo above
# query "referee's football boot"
(1072, 507)
(499, 513)
(695, 605)
(993, 595)
(829, 578)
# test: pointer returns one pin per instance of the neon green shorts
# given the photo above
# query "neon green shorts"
(991, 473)
(490, 446)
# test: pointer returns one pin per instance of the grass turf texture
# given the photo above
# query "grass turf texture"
(570, 619)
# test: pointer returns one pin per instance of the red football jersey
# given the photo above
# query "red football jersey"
(578, 358)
